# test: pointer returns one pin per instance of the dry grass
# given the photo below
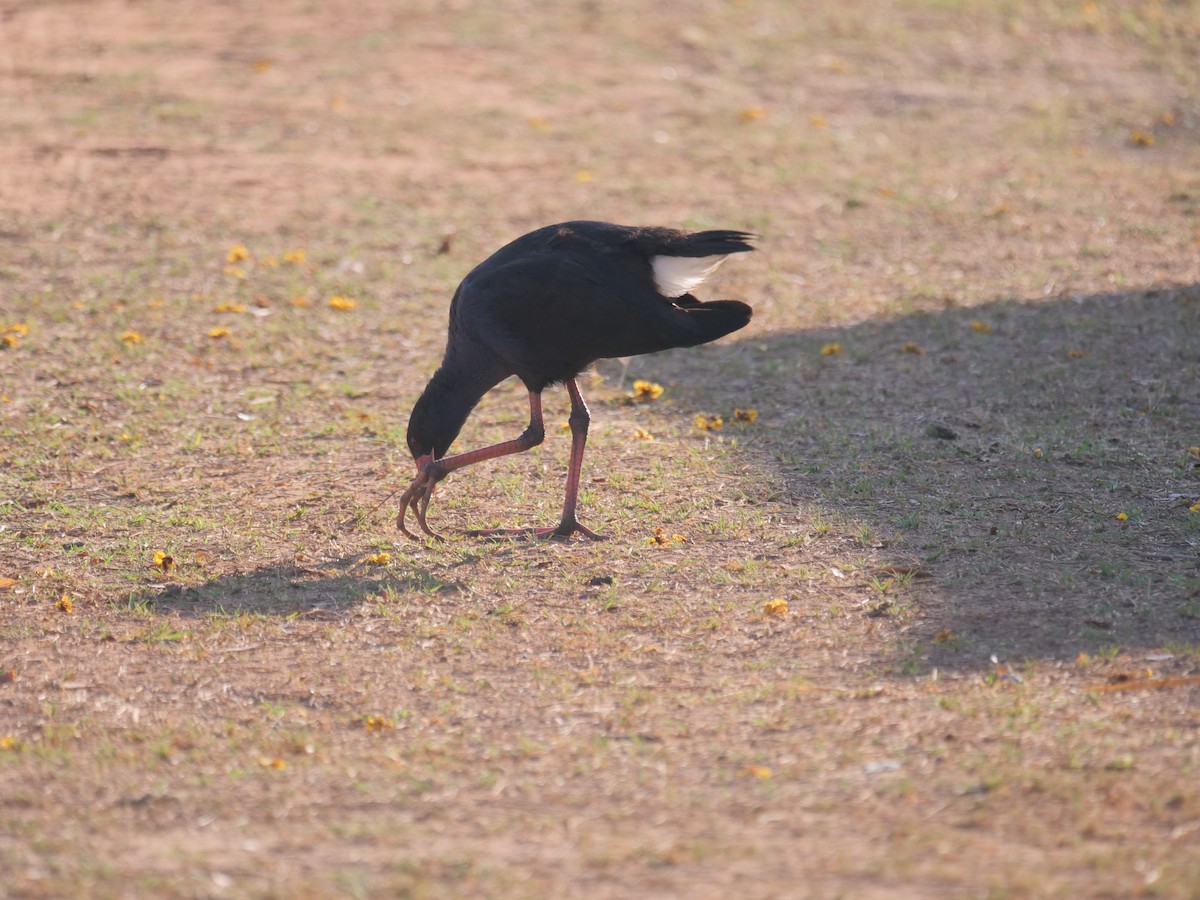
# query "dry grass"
(984, 682)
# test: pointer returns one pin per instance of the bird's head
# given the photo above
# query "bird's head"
(443, 407)
(419, 444)
(431, 428)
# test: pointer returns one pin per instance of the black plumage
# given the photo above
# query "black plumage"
(544, 308)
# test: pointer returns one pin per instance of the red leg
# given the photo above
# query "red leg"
(568, 525)
(417, 497)
(580, 418)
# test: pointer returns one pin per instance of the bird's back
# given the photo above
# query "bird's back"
(557, 299)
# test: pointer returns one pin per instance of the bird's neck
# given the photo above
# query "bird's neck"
(442, 409)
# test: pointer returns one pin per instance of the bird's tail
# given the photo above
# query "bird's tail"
(710, 243)
(684, 261)
(699, 323)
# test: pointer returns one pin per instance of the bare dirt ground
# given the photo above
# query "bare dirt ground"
(973, 480)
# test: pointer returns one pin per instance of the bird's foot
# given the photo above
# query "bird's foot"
(560, 532)
(416, 499)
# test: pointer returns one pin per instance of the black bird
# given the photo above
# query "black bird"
(544, 308)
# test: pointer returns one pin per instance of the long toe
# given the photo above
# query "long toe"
(401, 520)
(408, 500)
(405, 503)
(419, 508)
(559, 532)
(501, 533)
(400, 524)
(515, 534)
(425, 527)
(566, 528)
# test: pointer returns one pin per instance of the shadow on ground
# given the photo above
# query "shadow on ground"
(293, 589)
(1032, 457)
(995, 448)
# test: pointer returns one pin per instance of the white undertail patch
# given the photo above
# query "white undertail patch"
(675, 276)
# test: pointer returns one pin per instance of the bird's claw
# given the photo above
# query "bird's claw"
(417, 498)
(566, 529)
(560, 532)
